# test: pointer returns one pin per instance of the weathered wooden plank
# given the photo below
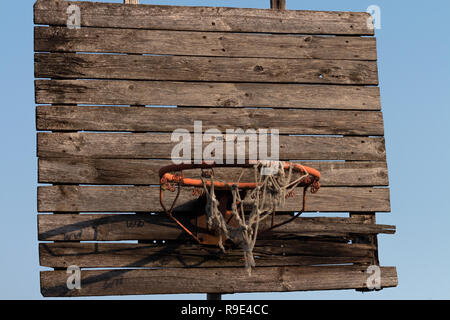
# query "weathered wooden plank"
(117, 227)
(146, 199)
(113, 92)
(368, 218)
(205, 18)
(267, 253)
(176, 68)
(209, 44)
(298, 121)
(160, 146)
(278, 4)
(145, 172)
(200, 280)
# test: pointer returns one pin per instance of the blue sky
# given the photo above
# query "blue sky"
(414, 65)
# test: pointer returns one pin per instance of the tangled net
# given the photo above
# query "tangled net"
(273, 186)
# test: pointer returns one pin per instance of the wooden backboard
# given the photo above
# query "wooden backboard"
(105, 131)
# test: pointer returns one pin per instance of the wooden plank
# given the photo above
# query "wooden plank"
(267, 253)
(210, 44)
(368, 218)
(110, 92)
(117, 227)
(278, 4)
(176, 68)
(114, 15)
(200, 280)
(299, 121)
(145, 172)
(146, 199)
(160, 146)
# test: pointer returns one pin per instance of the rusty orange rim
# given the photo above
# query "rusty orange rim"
(167, 177)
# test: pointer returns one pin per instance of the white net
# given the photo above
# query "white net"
(274, 184)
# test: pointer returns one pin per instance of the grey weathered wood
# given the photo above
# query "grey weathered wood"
(110, 92)
(61, 39)
(267, 253)
(145, 172)
(205, 18)
(117, 227)
(146, 199)
(208, 45)
(212, 280)
(94, 66)
(299, 121)
(159, 146)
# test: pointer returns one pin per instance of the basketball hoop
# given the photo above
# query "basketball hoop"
(234, 210)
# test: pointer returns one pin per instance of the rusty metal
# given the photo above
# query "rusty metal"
(203, 235)
(170, 211)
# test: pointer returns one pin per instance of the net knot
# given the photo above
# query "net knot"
(315, 186)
